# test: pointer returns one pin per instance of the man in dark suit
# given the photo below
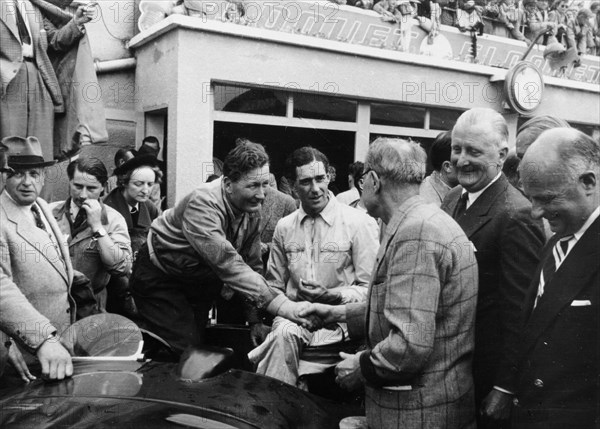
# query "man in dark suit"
(507, 241)
(558, 366)
(30, 92)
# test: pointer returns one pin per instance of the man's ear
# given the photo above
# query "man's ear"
(227, 183)
(447, 167)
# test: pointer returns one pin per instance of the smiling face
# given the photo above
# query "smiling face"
(137, 190)
(557, 197)
(476, 156)
(25, 185)
(248, 193)
(84, 186)
(311, 186)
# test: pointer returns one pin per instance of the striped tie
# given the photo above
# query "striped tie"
(38, 217)
(559, 252)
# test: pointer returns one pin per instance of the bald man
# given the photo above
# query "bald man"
(559, 361)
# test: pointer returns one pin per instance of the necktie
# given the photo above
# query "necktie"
(559, 252)
(79, 219)
(23, 33)
(461, 206)
(38, 218)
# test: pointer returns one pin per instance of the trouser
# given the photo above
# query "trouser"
(174, 308)
(26, 109)
(279, 355)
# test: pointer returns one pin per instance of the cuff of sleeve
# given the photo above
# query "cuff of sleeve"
(368, 369)
(274, 306)
(355, 319)
(503, 390)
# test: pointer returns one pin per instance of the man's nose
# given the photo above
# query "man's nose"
(314, 186)
(83, 194)
(261, 192)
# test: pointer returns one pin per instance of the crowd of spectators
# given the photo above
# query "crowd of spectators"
(567, 22)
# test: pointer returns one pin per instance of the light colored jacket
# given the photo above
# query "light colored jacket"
(35, 278)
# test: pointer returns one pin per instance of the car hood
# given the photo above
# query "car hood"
(151, 396)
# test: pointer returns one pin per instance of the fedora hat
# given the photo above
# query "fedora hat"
(25, 153)
(135, 161)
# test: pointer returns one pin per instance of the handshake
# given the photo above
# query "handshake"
(313, 316)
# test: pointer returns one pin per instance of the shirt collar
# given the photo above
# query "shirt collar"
(590, 220)
(474, 195)
(328, 213)
(73, 208)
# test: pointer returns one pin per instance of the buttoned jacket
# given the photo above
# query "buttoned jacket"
(507, 244)
(558, 370)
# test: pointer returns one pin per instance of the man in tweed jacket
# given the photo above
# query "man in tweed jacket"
(419, 318)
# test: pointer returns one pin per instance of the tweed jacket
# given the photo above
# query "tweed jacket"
(44, 34)
(558, 371)
(420, 318)
(84, 251)
(36, 276)
(507, 244)
(276, 205)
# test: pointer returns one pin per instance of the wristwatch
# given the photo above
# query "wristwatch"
(98, 234)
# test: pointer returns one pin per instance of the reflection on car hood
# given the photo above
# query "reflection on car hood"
(152, 397)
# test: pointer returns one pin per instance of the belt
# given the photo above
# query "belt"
(29, 59)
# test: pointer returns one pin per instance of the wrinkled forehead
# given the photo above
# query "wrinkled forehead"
(256, 174)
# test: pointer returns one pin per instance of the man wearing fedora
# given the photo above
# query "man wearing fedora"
(35, 268)
(97, 236)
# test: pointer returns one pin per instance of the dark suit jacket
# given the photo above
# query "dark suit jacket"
(507, 247)
(148, 212)
(559, 367)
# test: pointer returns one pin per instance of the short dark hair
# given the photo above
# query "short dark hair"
(440, 150)
(151, 140)
(304, 155)
(356, 169)
(121, 154)
(88, 165)
(244, 157)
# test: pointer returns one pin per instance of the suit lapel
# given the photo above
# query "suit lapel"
(7, 15)
(479, 213)
(37, 238)
(62, 266)
(568, 281)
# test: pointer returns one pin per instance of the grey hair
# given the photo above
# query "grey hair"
(398, 160)
(481, 116)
